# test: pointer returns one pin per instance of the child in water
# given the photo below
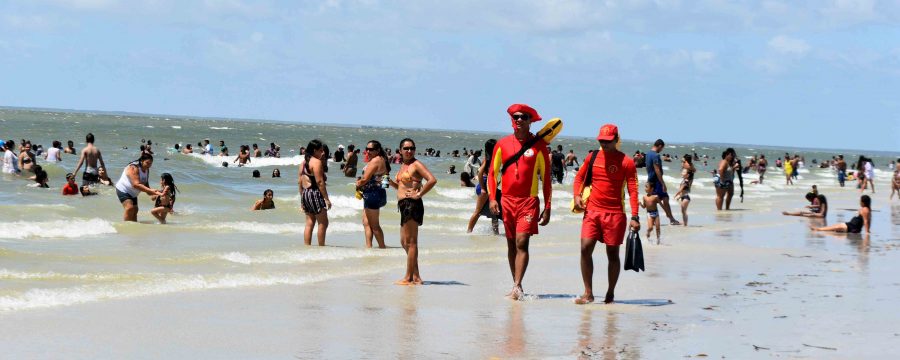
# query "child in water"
(166, 201)
(649, 202)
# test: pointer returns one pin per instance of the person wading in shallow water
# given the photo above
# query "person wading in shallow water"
(604, 216)
(519, 190)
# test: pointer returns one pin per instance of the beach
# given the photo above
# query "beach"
(220, 281)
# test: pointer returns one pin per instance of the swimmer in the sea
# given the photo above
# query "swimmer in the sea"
(267, 202)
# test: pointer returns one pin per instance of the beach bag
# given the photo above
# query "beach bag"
(586, 186)
(634, 253)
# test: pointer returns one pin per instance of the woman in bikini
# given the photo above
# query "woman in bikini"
(410, 189)
(862, 220)
(373, 193)
(687, 179)
(314, 199)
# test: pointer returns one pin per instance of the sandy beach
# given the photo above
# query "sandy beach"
(748, 283)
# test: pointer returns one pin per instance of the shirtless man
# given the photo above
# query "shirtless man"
(604, 217)
(256, 152)
(520, 189)
(841, 169)
(572, 160)
(90, 155)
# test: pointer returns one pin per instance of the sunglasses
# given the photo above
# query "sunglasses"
(371, 149)
(521, 117)
(409, 148)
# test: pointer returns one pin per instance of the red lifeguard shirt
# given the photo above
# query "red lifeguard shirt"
(521, 178)
(613, 171)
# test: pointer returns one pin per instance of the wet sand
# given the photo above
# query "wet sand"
(742, 284)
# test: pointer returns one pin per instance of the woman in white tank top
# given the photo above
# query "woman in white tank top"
(134, 180)
(54, 151)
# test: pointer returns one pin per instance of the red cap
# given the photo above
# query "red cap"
(525, 109)
(608, 132)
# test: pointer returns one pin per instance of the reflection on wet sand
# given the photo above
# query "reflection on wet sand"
(514, 344)
(610, 346)
(409, 324)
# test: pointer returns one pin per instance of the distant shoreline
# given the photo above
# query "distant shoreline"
(212, 118)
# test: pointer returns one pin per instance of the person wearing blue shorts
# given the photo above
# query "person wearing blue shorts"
(655, 177)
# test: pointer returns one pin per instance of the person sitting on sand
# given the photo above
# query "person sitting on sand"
(166, 201)
(818, 207)
(649, 202)
(862, 220)
(266, 203)
(71, 187)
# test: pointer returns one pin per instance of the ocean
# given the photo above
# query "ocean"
(59, 253)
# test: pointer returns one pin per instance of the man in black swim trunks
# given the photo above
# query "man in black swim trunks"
(90, 156)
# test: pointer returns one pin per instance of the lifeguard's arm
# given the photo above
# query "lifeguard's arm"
(545, 179)
(578, 186)
(494, 172)
(631, 183)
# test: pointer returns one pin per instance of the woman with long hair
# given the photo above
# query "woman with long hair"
(481, 201)
(372, 185)
(684, 191)
(313, 195)
(413, 181)
(166, 201)
(724, 178)
(134, 180)
(862, 220)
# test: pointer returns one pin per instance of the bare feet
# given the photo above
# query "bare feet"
(417, 281)
(674, 222)
(584, 299)
(609, 298)
(517, 293)
(403, 281)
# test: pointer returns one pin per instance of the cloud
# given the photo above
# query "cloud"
(788, 45)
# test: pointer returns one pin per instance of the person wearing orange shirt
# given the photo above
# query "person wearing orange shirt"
(70, 188)
(518, 193)
(604, 216)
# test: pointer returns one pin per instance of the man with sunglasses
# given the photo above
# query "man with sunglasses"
(518, 195)
(604, 217)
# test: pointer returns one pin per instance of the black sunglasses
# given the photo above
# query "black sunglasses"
(521, 117)
(409, 148)
(370, 149)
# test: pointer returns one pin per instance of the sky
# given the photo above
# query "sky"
(822, 74)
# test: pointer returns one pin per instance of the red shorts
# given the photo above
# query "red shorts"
(520, 215)
(608, 227)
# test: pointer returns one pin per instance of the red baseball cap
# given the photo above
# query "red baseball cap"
(525, 109)
(608, 132)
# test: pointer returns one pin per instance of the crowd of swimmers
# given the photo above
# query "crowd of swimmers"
(508, 175)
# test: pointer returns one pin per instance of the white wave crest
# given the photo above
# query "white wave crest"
(217, 161)
(68, 229)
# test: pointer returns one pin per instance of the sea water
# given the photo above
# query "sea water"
(60, 251)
